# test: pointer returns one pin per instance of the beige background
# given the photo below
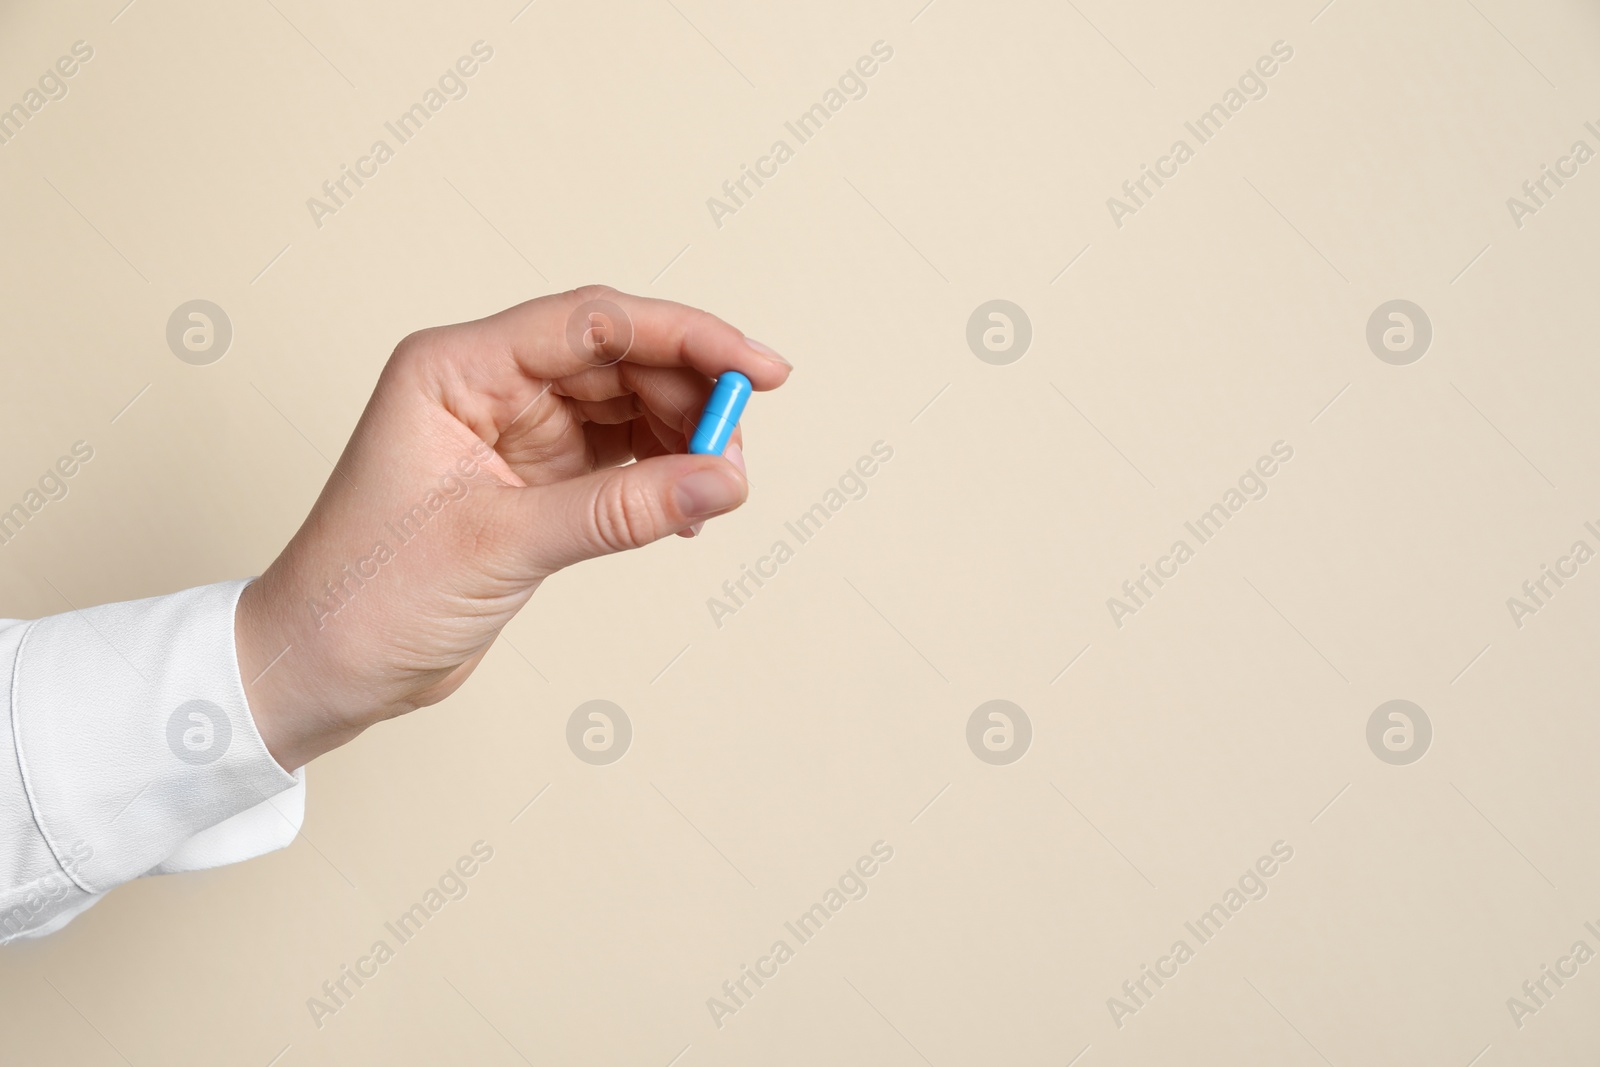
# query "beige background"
(769, 754)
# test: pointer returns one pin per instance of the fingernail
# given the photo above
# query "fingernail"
(769, 353)
(735, 455)
(707, 492)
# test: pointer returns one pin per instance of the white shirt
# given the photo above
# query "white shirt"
(127, 748)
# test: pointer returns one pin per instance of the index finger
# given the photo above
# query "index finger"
(563, 334)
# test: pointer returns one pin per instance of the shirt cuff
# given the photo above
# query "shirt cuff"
(136, 745)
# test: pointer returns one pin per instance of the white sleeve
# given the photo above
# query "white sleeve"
(127, 748)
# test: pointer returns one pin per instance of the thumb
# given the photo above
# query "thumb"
(628, 507)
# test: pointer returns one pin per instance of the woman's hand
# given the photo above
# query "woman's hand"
(492, 454)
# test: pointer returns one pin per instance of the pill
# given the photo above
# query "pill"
(721, 415)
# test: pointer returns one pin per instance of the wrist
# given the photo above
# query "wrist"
(302, 700)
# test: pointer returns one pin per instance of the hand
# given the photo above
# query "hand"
(491, 454)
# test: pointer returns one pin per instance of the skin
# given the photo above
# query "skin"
(516, 453)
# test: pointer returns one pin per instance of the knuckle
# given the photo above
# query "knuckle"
(593, 292)
(623, 516)
(415, 349)
(419, 340)
(700, 327)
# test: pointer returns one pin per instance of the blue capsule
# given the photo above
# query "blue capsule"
(721, 415)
